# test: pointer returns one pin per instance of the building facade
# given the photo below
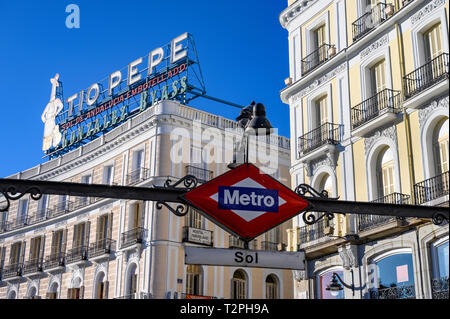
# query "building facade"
(86, 247)
(368, 97)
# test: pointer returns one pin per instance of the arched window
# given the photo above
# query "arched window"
(12, 294)
(271, 287)
(323, 279)
(194, 280)
(385, 173)
(53, 291)
(131, 281)
(392, 276)
(440, 146)
(239, 285)
(100, 287)
(32, 292)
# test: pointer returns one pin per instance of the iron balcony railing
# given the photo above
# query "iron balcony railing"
(317, 57)
(33, 266)
(313, 232)
(432, 188)
(327, 133)
(61, 209)
(132, 237)
(439, 288)
(76, 254)
(402, 292)
(55, 260)
(38, 216)
(184, 295)
(139, 175)
(202, 175)
(370, 221)
(369, 21)
(427, 75)
(101, 247)
(15, 223)
(12, 270)
(386, 100)
(137, 295)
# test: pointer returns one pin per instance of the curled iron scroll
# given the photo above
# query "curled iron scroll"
(12, 194)
(181, 210)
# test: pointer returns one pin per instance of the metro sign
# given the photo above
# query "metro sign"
(246, 202)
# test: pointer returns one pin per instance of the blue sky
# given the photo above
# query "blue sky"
(242, 48)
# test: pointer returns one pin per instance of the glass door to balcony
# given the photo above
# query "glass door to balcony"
(440, 264)
(432, 49)
(378, 84)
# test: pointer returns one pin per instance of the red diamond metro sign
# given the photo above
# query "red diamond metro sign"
(246, 202)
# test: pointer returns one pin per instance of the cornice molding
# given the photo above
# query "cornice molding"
(294, 10)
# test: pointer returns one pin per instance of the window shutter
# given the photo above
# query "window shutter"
(133, 284)
(86, 233)
(22, 257)
(64, 242)
(110, 224)
(42, 248)
(69, 293)
(98, 230)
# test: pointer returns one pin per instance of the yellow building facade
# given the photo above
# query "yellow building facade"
(368, 96)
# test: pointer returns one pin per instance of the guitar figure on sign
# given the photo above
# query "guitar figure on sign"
(52, 136)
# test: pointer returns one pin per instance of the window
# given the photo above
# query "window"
(440, 146)
(42, 206)
(319, 39)
(193, 280)
(22, 211)
(15, 253)
(36, 248)
(394, 277)
(377, 77)
(432, 42)
(108, 174)
(322, 111)
(138, 161)
(194, 219)
(385, 173)
(58, 243)
(440, 259)
(135, 217)
(239, 285)
(271, 287)
(104, 227)
(81, 235)
(322, 282)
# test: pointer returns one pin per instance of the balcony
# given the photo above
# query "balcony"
(12, 272)
(60, 209)
(136, 295)
(318, 140)
(184, 295)
(77, 255)
(439, 288)
(132, 238)
(202, 175)
(102, 249)
(54, 262)
(317, 58)
(15, 224)
(376, 111)
(433, 191)
(139, 175)
(403, 292)
(435, 74)
(33, 267)
(38, 216)
(366, 222)
(308, 234)
(369, 21)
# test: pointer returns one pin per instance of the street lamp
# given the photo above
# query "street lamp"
(254, 122)
(334, 287)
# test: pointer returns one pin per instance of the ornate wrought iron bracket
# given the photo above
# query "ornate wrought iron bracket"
(13, 194)
(189, 182)
(309, 215)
